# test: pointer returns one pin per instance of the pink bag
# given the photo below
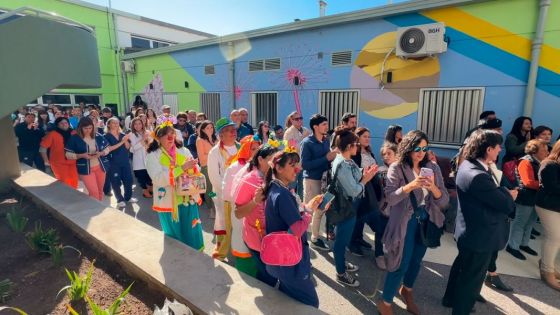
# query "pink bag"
(281, 249)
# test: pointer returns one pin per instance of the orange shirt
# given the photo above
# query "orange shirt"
(54, 141)
(202, 149)
(525, 170)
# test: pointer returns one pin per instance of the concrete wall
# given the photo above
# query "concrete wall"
(9, 168)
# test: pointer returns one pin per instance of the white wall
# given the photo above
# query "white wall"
(127, 26)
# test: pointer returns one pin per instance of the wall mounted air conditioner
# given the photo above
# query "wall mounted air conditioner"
(421, 40)
(129, 66)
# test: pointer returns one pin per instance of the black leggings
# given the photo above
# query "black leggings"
(143, 178)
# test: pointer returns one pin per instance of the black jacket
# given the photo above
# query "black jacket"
(548, 196)
(485, 208)
(28, 139)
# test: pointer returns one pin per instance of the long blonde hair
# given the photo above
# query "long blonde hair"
(107, 130)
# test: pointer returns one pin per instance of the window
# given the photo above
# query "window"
(58, 99)
(87, 99)
(146, 43)
(140, 42)
(264, 107)
(210, 105)
(446, 115)
(341, 58)
(256, 65)
(334, 104)
(209, 70)
(265, 64)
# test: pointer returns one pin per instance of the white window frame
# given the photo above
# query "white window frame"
(151, 40)
(449, 125)
(254, 111)
(336, 123)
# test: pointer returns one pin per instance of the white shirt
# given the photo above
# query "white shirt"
(138, 152)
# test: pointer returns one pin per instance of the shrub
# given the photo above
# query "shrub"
(16, 220)
(5, 289)
(113, 309)
(79, 286)
(41, 240)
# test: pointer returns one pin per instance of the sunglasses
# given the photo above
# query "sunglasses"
(298, 118)
(423, 149)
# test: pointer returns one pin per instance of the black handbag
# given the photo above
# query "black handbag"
(429, 233)
(341, 207)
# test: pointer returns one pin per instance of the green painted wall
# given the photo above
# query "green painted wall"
(105, 35)
(173, 77)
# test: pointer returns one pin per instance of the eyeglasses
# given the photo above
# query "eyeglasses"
(423, 149)
(265, 126)
(297, 118)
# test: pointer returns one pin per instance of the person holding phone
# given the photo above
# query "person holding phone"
(166, 161)
(90, 150)
(29, 140)
(404, 248)
(120, 172)
(350, 181)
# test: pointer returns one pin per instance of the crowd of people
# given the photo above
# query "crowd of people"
(266, 187)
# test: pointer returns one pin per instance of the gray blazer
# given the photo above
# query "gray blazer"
(400, 209)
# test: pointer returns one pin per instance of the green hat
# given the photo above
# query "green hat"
(222, 123)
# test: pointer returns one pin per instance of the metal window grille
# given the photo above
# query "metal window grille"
(256, 65)
(272, 64)
(209, 70)
(446, 115)
(210, 105)
(341, 58)
(264, 107)
(334, 104)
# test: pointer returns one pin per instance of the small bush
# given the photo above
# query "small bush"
(79, 286)
(5, 289)
(113, 309)
(16, 220)
(41, 240)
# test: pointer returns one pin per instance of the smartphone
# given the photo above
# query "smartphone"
(327, 198)
(426, 172)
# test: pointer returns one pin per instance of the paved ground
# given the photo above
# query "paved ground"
(531, 296)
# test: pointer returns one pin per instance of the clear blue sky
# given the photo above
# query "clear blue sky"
(222, 17)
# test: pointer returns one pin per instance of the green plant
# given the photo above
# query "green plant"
(41, 240)
(16, 220)
(5, 289)
(79, 286)
(57, 253)
(113, 309)
(2, 308)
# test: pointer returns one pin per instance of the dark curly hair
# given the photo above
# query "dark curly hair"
(410, 141)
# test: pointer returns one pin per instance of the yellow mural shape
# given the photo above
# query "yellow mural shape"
(400, 97)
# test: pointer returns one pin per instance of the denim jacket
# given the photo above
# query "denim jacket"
(349, 176)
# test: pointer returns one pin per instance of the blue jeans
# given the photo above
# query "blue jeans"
(521, 226)
(343, 235)
(413, 253)
(121, 174)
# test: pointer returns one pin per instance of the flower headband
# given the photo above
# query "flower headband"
(290, 146)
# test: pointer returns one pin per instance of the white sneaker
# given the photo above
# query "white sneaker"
(121, 204)
(133, 200)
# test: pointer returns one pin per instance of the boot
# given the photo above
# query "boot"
(146, 193)
(411, 307)
(550, 280)
(384, 309)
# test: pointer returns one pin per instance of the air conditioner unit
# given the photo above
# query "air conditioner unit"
(129, 66)
(421, 40)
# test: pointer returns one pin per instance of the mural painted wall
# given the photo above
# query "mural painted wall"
(489, 47)
(104, 32)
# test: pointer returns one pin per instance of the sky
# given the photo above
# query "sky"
(222, 17)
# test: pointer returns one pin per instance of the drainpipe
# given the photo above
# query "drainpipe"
(535, 57)
(232, 75)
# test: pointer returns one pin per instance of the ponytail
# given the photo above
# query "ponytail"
(267, 181)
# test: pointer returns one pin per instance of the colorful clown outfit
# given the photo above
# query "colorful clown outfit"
(219, 159)
(178, 215)
(232, 177)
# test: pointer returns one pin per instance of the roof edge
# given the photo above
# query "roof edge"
(341, 18)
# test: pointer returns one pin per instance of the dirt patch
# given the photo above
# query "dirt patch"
(37, 280)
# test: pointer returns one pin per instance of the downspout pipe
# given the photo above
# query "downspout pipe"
(536, 49)
(232, 75)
